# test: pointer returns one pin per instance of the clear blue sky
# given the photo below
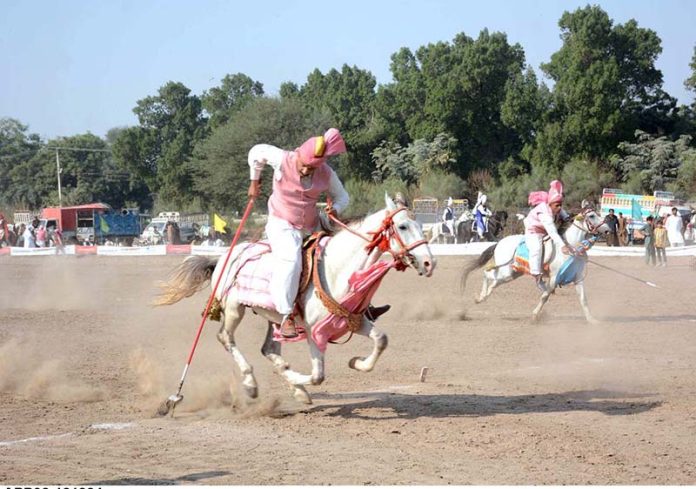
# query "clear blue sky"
(72, 66)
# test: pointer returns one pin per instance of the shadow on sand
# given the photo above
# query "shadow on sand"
(141, 481)
(410, 406)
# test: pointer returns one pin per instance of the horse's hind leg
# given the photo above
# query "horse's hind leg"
(490, 282)
(580, 289)
(234, 312)
(296, 381)
(380, 342)
(537, 310)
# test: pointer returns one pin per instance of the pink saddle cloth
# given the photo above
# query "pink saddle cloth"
(253, 270)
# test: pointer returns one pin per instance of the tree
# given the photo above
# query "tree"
(16, 147)
(605, 87)
(690, 82)
(171, 123)
(652, 162)
(411, 163)
(234, 92)
(348, 98)
(219, 164)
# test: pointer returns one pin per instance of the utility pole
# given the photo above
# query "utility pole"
(58, 172)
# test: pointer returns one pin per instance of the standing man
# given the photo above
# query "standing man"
(622, 229)
(612, 223)
(675, 228)
(649, 233)
(540, 222)
(299, 178)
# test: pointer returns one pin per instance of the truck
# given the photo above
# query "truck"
(93, 223)
(637, 207)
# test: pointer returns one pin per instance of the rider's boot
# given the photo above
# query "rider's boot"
(287, 327)
(541, 285)
(372, 312)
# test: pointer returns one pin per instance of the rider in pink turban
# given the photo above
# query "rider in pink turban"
(540, 222)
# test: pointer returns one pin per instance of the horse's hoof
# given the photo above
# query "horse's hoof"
(252, 392)
(301, 395)
(593, 321)
(355, 360)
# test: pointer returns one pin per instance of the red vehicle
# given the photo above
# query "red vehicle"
(76, 222)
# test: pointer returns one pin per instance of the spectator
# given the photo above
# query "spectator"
(622, 229)
(649, 234)
(612, 223)
(58, 241)
(41, 237)
(29, 239)
(675, 228)
(661, 243)
(20, 235)
(689, 235)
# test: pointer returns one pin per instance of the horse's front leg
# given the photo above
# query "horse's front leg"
(296, 381)
(233, 315)
(380, 342)
(582, 295)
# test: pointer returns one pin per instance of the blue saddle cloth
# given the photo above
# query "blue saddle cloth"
(571, 271)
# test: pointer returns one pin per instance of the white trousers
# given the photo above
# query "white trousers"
(535, 247)
(286, 252)
(449, 225)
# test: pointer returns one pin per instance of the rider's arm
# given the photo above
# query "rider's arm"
(338, 194)
(551, 230)
(263, 154)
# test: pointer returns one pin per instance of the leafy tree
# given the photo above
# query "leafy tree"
(652, 161)
(605, 86)
(16, 147)
(171, 123)
(348, 98)
(409, 164)
(219, 164)
(234, 92)
(690, 82)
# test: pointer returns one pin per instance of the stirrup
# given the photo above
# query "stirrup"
(372, 312)
(287, 327)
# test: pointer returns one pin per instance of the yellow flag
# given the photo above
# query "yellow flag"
(103, 225)
(219, 223)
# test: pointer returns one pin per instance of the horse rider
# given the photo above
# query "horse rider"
(299, 178)
(481, 215)
(541, 222)
(448, 216)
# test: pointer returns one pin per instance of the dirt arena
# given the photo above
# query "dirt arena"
(85, 361)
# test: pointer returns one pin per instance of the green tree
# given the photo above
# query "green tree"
(171, 123)
(605, 87)
(348, 98)
(234, 92)
(219, 164)
(16, 147)
(411, 163)
(652, 162)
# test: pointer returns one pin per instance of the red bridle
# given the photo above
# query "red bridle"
(381, 240)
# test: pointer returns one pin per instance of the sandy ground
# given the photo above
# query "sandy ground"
(84, 363)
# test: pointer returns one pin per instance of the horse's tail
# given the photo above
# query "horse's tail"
(477, 263)
(185, 280)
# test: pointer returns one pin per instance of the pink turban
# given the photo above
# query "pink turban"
(555, 194)
(316, 150)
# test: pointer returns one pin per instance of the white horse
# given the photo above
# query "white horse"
(344, 254)
(439, 232)
(499, 260)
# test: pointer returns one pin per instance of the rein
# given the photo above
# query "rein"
(381, 239)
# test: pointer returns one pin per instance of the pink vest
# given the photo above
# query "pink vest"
(293, 203)
(532, 224)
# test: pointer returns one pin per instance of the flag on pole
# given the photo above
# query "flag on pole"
(636, 212)
(219, 223)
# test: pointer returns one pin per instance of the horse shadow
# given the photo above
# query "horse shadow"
(412, 406)
(141, 481)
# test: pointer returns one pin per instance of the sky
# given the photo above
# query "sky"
(69, 67)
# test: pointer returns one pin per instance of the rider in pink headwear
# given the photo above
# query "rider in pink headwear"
(299, 178)
(540, 222)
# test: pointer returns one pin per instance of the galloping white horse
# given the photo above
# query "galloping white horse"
(344, 254)
(439, 232)
(500, 270)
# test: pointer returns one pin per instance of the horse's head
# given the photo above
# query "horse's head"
(590, 222)
(406, 240)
